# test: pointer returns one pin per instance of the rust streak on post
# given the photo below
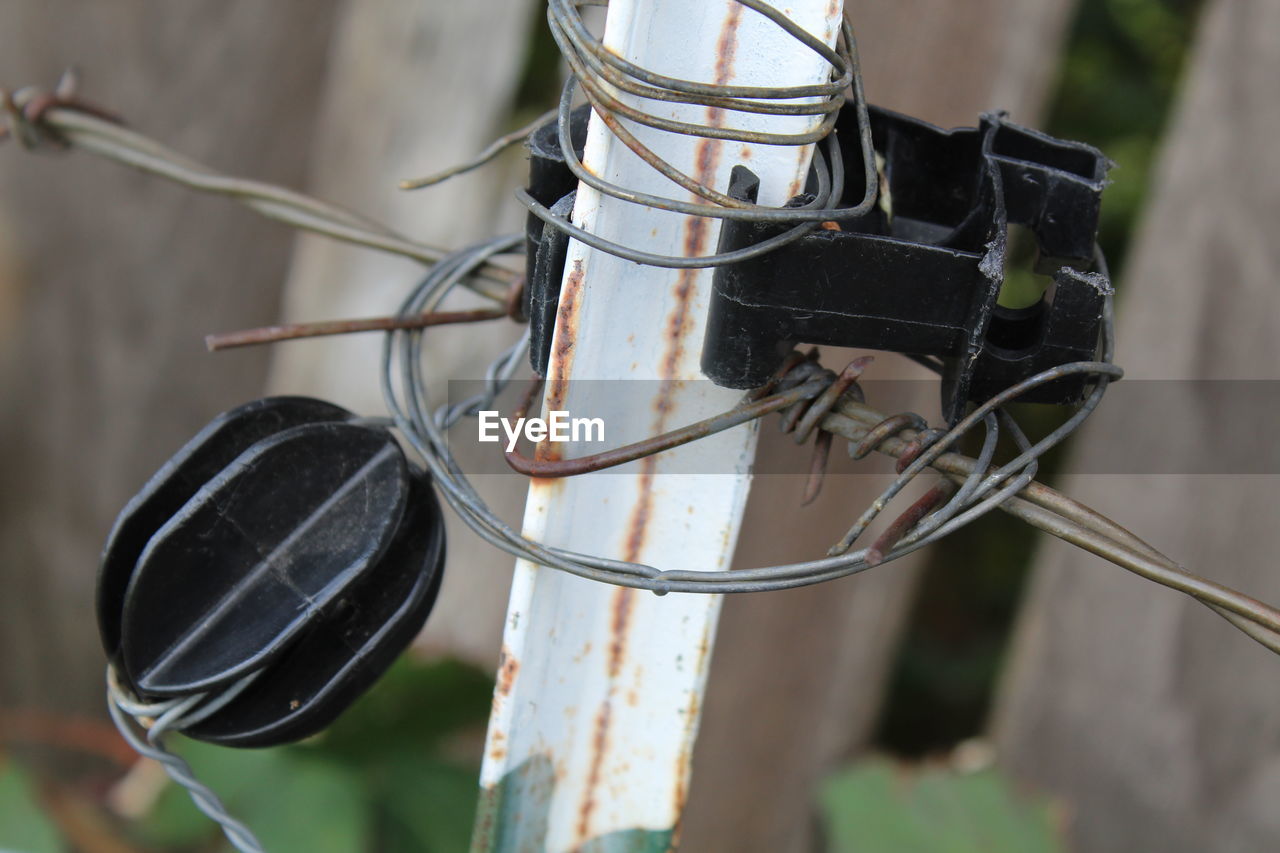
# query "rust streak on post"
(727, 46)
(677, 329)
(622, 605)
(599, 745)
(508, 666)
(566, 335)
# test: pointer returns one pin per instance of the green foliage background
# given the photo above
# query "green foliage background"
(396, 773)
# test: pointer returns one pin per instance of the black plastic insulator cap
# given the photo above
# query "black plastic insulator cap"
(198, 462)
(287, 542)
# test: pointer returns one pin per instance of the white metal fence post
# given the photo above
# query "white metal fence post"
(599, 687)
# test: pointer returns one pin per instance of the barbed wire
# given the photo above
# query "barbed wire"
(1010, 487)
(39, 118)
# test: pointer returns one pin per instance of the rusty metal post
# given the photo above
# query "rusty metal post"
(599, 688)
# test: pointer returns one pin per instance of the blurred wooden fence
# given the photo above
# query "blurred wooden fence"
(112, 279)
(1156, 724)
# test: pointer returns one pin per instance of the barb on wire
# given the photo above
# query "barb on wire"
(817, 468)
(915, 513)
(27, 108)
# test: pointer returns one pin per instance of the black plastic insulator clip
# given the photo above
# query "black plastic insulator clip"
(287, 541)
(922, 272)
(552, 185)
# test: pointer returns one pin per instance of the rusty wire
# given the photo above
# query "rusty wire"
(600, 73)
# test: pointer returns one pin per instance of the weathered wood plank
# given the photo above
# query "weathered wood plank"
(1157, 723)
(114, 279)
(798, 676)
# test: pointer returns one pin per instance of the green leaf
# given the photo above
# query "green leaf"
(232, 774)
(879, 807)
(23, 829)
(412, 708)
(433, 804)
(308, 804)
(289, 798)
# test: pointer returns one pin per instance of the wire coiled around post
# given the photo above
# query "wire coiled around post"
(600, 72)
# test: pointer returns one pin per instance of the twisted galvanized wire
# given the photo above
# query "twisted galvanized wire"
(599, 72)
(155, 719)
(37, 118)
